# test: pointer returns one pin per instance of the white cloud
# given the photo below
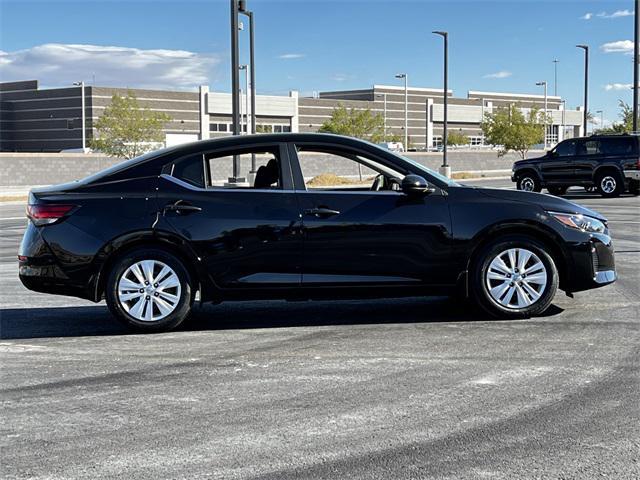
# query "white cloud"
(621, 46)
(57, 64)
(587, 16)
(616, 14)
(291, 56)
(617, 86)
(341, 77)
(500, 74)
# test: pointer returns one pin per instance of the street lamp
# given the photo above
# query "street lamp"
(384, 117)
(544, 84)
(84, 136)
(586, 85)
(555, 77)
(406, 113)
(445, 169)
(601, 112)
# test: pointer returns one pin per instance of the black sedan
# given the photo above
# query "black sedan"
(301, 216)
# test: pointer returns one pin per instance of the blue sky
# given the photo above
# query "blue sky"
(324, 45)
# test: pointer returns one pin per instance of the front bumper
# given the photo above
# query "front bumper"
(632, 174)
(593, 264)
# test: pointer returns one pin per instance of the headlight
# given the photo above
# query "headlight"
(580, 222)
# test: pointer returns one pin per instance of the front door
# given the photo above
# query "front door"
(247, 234)
(359, 229)
(558, 165)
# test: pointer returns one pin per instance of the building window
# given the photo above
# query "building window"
(219, 127)
(476, 141)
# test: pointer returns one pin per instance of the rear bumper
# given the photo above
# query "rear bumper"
(593, 264)
(40, 271)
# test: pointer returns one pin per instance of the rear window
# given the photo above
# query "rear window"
(617, 146)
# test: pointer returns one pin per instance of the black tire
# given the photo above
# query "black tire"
(528, 182)
(609, 184)
(634, 187)
(480, 285)
(557, 191)
(182, 306)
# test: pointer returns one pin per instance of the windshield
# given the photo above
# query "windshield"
(421, 167)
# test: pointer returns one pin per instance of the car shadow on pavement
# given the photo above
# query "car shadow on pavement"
(23, 323)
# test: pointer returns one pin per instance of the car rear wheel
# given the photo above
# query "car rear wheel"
(609, 184)
(557, 191)
(528, 183)
(514, 277)
(149, 290)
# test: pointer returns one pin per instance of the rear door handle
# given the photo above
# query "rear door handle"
(181, 208)
(321, 212)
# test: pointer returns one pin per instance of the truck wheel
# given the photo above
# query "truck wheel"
(528, 183)
(557, 191)
(609, 184)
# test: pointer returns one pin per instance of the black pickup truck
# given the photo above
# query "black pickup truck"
(609, 164)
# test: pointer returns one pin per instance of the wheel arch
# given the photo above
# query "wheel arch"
(537, 231)
(607, 167)
(162, 240)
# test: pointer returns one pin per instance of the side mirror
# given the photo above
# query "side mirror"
(416, 185)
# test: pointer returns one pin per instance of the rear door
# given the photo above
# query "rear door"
(588, 158)
(247, 234)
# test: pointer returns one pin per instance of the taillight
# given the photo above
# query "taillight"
(47, 214)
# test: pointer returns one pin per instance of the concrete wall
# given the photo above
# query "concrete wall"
(26, 169)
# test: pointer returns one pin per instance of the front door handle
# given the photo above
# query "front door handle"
(181, 208)
(321, 212)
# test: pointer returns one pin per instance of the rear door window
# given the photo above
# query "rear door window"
(588, 147)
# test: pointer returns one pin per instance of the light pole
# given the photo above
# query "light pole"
(636, 62)
(445, 169)
(555, 77)
(246, 97)
(601, 112)
(83, 118)
(384, 115)
(406, 111)
(544, 84)
(586, 85)
(235, 88)
(564, 108)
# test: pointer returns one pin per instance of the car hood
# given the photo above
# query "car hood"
(549, 203)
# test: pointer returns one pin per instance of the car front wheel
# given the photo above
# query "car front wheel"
(528, 183)
(149, 290)
(514, 277)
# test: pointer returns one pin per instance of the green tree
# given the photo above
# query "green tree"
(357, 123)
(626, 125)
(126, 129)
(457, 138)
(512, 130)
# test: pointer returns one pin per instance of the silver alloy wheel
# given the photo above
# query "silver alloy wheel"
(527, 184)
(516, 278)
(149, 290)
(608, 184)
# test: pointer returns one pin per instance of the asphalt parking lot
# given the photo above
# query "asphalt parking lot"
(410, 388)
